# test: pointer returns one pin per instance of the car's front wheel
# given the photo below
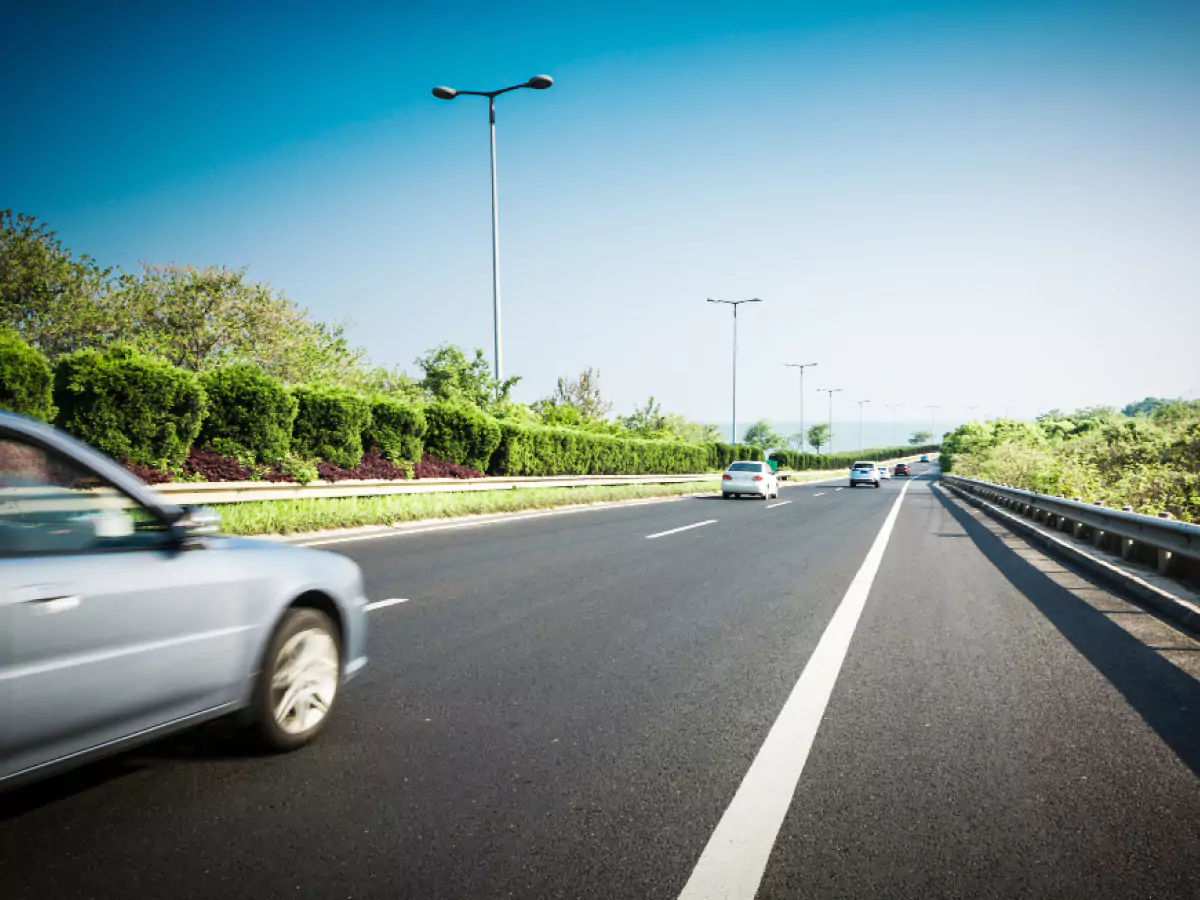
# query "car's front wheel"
(298, 686)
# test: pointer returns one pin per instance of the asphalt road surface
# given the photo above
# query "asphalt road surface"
(848, 693)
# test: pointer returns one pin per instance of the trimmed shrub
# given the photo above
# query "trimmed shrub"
(26, 380)
(541, 450)
(134, 407)
(250, 414)
(330, 422)
(397, 429)
(800, 462)
(461, 434)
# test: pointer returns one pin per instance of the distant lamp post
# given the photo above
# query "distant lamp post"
(893, 407)
(861, 404)
(801, 367)
(735, 304)
(537, 83)
(830, 392)
(932, 420)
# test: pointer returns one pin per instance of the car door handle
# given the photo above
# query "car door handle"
(48, 598)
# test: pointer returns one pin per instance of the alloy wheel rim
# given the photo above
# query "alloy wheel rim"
(305, 680)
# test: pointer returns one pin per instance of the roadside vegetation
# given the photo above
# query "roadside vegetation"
(1146, 456)
(202, 374)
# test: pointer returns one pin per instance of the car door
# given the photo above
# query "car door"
(110, 628)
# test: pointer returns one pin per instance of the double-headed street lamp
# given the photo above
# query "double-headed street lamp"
(861, 404)
(801, 367)
(830, 392)
(537, 83)
(735, 304)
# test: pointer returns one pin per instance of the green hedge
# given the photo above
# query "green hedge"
(330, 422)
(397, 429)
(250, 414)
(461, 434)
(26, 380)
(800, 462)
(133, 407)
(543, 450)
(720, 454)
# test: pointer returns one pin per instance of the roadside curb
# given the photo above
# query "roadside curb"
(1178, 609)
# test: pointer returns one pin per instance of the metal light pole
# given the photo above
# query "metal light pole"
(861, 403)
(932, 419)
(537, 83)
(801, 367)
(893, 407)
(735, 304)
(830, 392)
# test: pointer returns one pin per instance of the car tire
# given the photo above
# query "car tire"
(298, 687)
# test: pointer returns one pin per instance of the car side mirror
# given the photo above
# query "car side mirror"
(195, 522)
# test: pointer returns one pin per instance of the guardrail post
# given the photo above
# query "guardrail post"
(1077, 531)
(1127, 547)
(1098, 537)
(1164, 561)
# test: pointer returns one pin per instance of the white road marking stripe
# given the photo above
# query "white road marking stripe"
(780, 503)
(651, 537)
(822, 494)
(837, 489)
(380, 604)
(732, 864)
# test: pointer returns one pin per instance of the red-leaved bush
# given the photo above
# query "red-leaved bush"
(210, 464)
(432, 467)
(147, 474)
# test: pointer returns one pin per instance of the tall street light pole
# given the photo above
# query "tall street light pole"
(801, 367)
(893, 407)
(735, 304)
(932, 419)
(830, 392)
(537, 83)
(861, 404)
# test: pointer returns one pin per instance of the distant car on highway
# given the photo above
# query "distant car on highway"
(865, 473)
(924, 457)
(902, 469)
(756, 479)
(123, 618)
(885, 473)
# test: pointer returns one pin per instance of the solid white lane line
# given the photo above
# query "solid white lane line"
(780, 503)
(732, 864)
(822, 494)
(380, 604)
(837, 489)
(651, 537)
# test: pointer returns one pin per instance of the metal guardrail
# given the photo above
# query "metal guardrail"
(1101, 524)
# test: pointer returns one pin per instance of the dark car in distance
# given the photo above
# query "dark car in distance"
(901, 469)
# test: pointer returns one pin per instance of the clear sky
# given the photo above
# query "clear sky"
(989, 204)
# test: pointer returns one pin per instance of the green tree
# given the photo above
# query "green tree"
(450, 375)
(55, 301)
(581, 394)
(818, 436)
(198, 318)
(692, 432)
(646, 421)
(762, 435)
(1145, 406)
(920, 437)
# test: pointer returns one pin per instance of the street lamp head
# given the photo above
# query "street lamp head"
(539, 82)
(445, 93)
(754, 300)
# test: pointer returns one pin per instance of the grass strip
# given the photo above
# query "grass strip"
(319, 514)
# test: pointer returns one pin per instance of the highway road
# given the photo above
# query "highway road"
(848, 693)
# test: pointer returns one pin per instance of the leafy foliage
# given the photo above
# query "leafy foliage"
(760, 434)
(330, 422)
(450, 376)
(539, 450)
(818, 435)
(129, 405)
(25, 378)
(801, 462)
(920, 437)
(581, 394)
(396, 429)
(461, 433)
(52, 299)
(250, 414)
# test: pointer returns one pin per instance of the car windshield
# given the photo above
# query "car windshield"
(746, 467)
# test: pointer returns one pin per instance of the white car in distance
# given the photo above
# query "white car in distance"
(884, 472)
(865, 473)
(757, 479)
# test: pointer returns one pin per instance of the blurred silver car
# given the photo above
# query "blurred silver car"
(123, 618)
(865, 472)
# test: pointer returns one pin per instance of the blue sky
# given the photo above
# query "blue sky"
(992, 205)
